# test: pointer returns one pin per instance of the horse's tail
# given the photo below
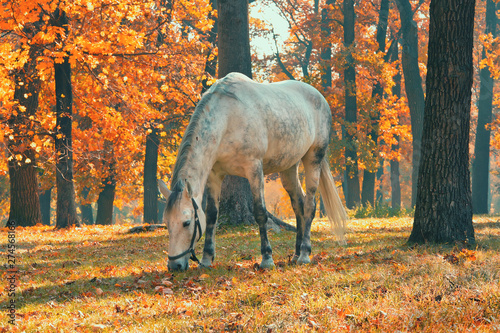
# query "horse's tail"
(333, 205)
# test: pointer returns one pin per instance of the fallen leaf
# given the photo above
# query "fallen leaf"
(451, 258)
(163, 291)
(98, 327)
(166, 283)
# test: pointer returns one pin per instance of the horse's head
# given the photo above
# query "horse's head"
(185, 222)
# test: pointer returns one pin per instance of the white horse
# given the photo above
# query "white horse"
(250, 129)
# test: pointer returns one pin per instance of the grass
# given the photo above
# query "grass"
(101, 279)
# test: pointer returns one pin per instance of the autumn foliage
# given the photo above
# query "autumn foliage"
(138, 66)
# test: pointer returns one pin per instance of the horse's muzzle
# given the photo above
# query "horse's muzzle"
(181, 264)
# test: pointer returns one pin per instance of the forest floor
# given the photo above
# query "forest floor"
(103, 279)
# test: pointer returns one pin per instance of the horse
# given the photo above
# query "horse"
(249, 129)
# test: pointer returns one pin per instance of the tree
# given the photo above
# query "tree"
(211, 58)
(413, 84)
(87, 215)
(24, 200)
(481, 163)
(326, 49)
(368, 185)
(394, 162)
(150, 179)
(236, 204)
(152, 145)
(443, 210)
(66, 206)
(106, 198)
(352, 179)
(45, 196)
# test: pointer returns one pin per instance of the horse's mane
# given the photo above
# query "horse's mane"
(177, 184)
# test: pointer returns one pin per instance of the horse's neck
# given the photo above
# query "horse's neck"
(201, 157)
(196, 171)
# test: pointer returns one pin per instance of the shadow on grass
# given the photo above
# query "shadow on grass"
(487, 225)
(147, 253)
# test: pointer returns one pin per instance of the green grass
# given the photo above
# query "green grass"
(101, 279)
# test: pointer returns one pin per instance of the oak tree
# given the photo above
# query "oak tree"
(443, 212)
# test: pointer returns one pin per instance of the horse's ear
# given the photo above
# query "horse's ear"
(187, 192)
(163, 189)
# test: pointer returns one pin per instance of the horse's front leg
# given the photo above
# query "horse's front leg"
(213, 192)
(256, 179)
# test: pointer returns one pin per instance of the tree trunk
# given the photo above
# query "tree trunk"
(150, 178)
(394, 163)
(481, 163)
(413, 85)
(66, 206)
(86, 208)
(106, 199)
(352, 178)
(161, 208)
(234, 56)
(24, 200)
(369, 176)
(150, 181)
(326, 47)
(443, 211)
(45, 197)
(211, 62)
(379, 194)
(233, 38)
(395, 185)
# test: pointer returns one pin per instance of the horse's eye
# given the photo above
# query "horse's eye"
(186, 223)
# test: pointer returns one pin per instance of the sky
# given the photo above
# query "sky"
(270, 15)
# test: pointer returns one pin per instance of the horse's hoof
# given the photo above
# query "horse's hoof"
(267, 264)
(294, 259)
(205, 264)
(303, 260)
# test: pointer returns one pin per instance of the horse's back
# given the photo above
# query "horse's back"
(277, 122)
(274, 105)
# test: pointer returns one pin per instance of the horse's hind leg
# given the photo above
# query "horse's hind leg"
(255, 177)
(291, 183)
(312, 168)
